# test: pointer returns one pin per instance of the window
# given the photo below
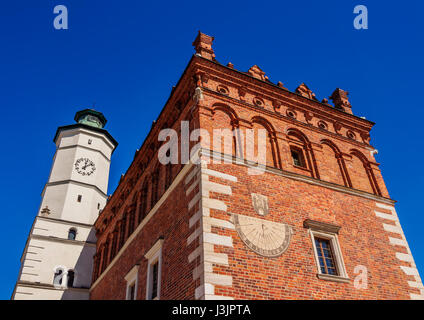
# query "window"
(351, 135)
(72, 234)
(131, 292)
(57, 279)
(155, 273)
(155, 188)
(291, 114)
(71, 276)
(122, 231)
(132, 283)
(154, 257)
(143, 202)
(168, 178)
(79, 198)
(322, 125)
(131, 221)
(327, 252)
(222, 89)
(259, 102)
(114, 243)
(325, 256)
(105, 256)
(96, 266)
(297, 156)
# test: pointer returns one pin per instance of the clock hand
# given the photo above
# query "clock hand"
(85, 162)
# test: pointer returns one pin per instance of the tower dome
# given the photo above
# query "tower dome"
(91, 117)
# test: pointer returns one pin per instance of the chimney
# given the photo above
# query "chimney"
(203, 46)
(341, 101)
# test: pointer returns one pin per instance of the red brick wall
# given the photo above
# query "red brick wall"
(170, 222)
(343, 184)
(293, 275)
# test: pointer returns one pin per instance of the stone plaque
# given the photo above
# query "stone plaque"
(260, 204)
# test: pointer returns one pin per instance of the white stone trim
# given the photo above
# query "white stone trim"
(218, 174)
(219, 279)
(401, 256)
(132, 279)
(208, 222)
(208, 239)
(218, 239)
(194, 201)
(215, 297)
(196, 217)
(192, 186)
(385, 215)
(191, 175)
(334, 241)
(410, 271)
(397, 242)
(417, 296)
(392, 228)
(414, 284)
(154, 255)
(404, 257)
(194, 235)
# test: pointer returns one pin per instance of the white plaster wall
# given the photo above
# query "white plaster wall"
(100, 176)
(27, 293)
(64, 167)
(59, 229)
(53, 198)
(81, 136)
(62, 202)
(85, 211)
(43, 256)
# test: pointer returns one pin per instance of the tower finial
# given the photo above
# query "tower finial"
(91, 117)
(203, 46)
(341, 101)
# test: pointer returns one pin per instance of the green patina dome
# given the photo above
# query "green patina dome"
(91, 117)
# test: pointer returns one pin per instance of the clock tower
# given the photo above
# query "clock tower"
(58, 257)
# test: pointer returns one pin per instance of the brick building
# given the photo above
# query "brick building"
(315, 221)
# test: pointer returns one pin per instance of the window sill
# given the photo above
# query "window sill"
(302, 168)
(329, 277)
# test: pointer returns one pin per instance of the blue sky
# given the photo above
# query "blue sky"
(125, 56)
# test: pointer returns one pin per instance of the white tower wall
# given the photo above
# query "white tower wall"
(70, 200)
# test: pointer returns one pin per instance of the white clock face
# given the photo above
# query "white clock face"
(264, 237)
(85, 166)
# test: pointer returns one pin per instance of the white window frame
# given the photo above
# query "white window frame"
(154, 255)
(64, 277)
(132, 279)
(338, 257)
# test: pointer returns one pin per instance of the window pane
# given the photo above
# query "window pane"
(132, 292)
(329, 263)
(325, 255)
(296, 159)
(154, 280)
(72, 234)
(71, 276)
(57, 277)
